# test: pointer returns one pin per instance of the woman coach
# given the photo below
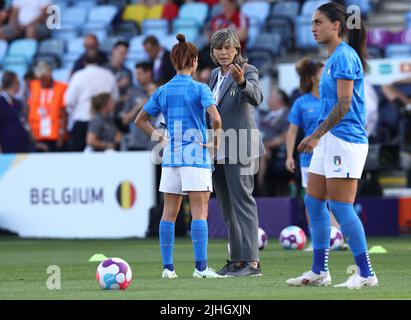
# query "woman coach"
(236, 89)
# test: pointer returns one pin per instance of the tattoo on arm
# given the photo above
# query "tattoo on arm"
(337, 113)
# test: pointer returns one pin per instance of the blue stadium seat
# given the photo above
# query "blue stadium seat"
(155, 27)
(303, 35)
(408, 20)
(127, 29)
(309, 7)
(270, 42)
(62, 75)
(26, 48)
(194, 10)
(186, 26)
(73, 16)
(67, 35)
(3, 49)
(216, 10)
(136, 44)
(286, 8)
(86, 4)
(17, 64)
(253, 30)
(398, 51)
(258, 10)
(54, 46)
(169, 42)
(102, 14)
(365, 6)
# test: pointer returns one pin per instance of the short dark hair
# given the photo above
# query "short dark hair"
(121, 43)
(9, 78)
(284, 97)
(146, 66)
(152, 40)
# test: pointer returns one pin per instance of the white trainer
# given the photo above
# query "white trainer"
(357, 282)
(310, 278)
(207, 273)
(167, 274)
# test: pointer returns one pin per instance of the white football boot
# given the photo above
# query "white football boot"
(357, 282)
(167, 274)
(310, 278)
(207, 273)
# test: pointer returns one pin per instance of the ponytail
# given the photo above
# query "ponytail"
(357, 38)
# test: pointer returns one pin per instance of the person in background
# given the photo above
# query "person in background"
(27, 20)
(273, 126)
(47, 114)
(83, 85)
(14, 131)
(91, 46)
(163, 69)
(231, 17)
(137, 97)
(102, 132)
(122, 74)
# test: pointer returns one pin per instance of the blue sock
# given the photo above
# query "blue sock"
(353, 230)
(166, 233)
(320, 223)
(199, 236)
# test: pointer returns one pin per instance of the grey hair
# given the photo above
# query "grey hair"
(220, 38)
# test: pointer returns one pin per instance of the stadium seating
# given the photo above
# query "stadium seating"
(3, 49)
(103, 15)
(154, 12)
(196, 11)
(26, 48)
(135, 12)
(168, 42)
(408, 20)
(156, 27)
(304, 38)
(309, 7)
(398, 51)
(365, 6)
(86, 4)
(62, 75)
(258, 10)
(187, 26)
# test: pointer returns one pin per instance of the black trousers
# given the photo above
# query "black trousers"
(78, 136)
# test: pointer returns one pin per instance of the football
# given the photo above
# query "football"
(114, 273)
(293, 237)
(336, 238)
(262, 239)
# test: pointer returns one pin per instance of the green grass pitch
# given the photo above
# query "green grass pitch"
(23, 271)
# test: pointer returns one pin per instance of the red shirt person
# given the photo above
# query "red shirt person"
(231, 16)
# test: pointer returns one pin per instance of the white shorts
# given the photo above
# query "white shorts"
(304, 176)
(336, 158)
(180, 180)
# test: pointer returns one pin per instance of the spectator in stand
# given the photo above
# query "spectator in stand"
(163, 69)
(14, 131)
(273, 125)
(136, 139)
(123, 76)
(47, 114)
(91, 46)
(396, 96)
(27, 19)
(102, 132)
(83, 85)
(5, 6)
(231, 17)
